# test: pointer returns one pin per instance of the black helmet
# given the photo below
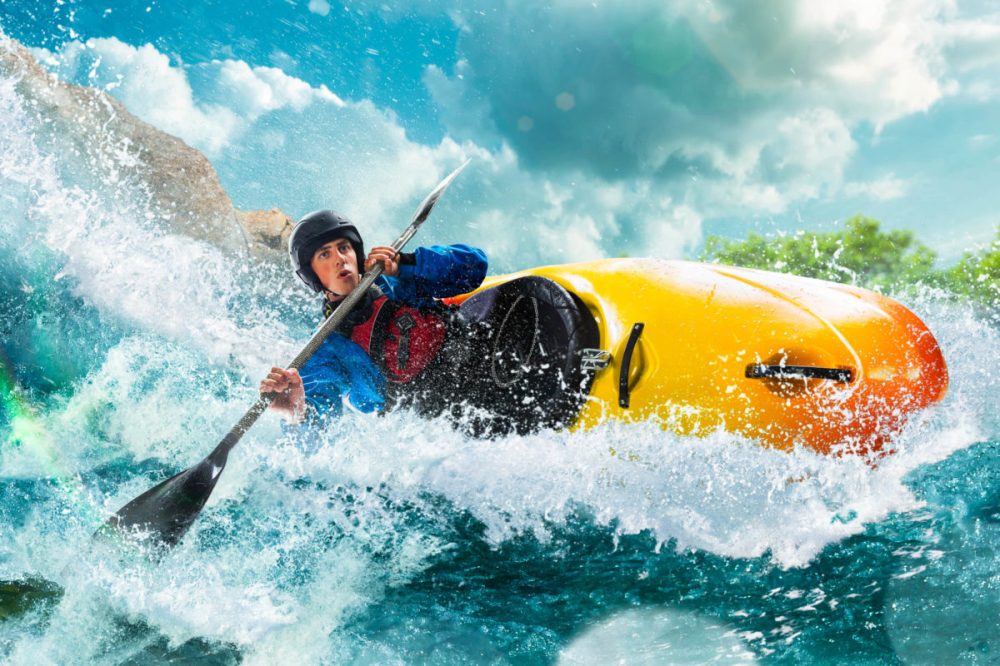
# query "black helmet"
(311, 233)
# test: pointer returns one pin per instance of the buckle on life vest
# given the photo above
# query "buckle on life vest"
(404, 323)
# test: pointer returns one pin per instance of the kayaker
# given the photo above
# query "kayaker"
(399, 342)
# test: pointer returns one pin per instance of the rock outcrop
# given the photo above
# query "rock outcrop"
(267, 232)
(104, 147)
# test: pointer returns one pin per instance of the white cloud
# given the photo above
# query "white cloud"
(886, 188)
(807, 153)
(972, 44)
(466, 113)
(161, 94)
(982, 90)
(981, 141)
(143, 79)
(259, 90)
(758, 106)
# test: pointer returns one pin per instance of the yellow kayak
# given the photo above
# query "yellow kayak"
(781, 359)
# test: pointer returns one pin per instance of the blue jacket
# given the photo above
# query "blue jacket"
(340, 371)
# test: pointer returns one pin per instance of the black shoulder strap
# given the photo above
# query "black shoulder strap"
(380, 331)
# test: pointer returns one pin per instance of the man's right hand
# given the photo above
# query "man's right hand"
(388, 257)
(289, 394)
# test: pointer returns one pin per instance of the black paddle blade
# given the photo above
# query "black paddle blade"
(166, 511)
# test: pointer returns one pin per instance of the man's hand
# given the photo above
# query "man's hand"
(290, 396)
(387, 256)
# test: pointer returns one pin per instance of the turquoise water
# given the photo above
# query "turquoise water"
(128, 350)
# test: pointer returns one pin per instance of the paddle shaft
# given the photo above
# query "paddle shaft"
(169, 508)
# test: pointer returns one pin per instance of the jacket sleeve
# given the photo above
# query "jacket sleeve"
(437, 272)
(341, 370)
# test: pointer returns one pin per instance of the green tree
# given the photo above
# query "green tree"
(861, 253)
(977, 275)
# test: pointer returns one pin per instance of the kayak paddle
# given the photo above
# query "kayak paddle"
(167, 510)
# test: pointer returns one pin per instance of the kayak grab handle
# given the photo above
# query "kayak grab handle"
(761, 371)
(633, 338)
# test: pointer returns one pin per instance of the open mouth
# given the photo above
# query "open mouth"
(343, 274)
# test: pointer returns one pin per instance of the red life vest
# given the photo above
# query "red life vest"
(401, 339)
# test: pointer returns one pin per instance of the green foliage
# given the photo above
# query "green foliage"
(862, 254)
(859, 254)
(977, 275)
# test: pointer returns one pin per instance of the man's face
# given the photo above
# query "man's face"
(336, 266)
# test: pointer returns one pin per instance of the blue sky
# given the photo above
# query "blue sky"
(595, 128)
